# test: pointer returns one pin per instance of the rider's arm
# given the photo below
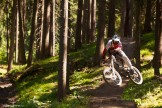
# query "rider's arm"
(104, 53)
(108, 45)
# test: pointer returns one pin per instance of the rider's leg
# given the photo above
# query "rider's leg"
(126, 59)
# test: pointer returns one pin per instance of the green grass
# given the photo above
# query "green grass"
(39, 88)
(149, 94)
(147, 46)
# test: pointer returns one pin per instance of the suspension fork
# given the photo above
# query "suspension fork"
(112, 65)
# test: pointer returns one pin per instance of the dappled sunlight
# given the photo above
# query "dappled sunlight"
(148, 73)
(149, 94)
(146, 94)
(50, 76)
(153, 97)
(47, 61)
(87, 77)
(35, 91)
(3, 72)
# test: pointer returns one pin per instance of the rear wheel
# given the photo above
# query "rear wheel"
(113, 79)
(136, 77)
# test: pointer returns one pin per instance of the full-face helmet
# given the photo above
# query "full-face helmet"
(115, 39)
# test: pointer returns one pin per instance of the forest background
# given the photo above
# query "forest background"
(36, 30)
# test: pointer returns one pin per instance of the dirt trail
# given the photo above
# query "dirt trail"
(7, 93)
(106, 96)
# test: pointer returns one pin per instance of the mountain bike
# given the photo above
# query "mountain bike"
(115, 68)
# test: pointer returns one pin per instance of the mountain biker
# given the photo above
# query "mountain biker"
(114, 46)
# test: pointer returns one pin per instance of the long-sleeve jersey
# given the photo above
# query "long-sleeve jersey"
(109, 45)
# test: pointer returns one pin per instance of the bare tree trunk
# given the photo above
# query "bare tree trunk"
(22, 58)
(89, 21)
(11, 50)
(123, 13)
(158, 38)
(39, 29)
(7, 29)
(17, 34)
(32, 35)
(147, 24)
(128, 19)
(63, 51)
(24, 18)
(85, 20)
(137, 33)
(93, 20)
(126, 27)
(78, 41)
(53, 27)
(131, 2)
(41, 36)
(46, 30)
(111, 22)
(69, 26)
(51, 31)
(101, 29)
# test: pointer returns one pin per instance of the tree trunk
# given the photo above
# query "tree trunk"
(46, 29)
(111, 21)
(85, 19)
(158, 38)
(89, 21)
(23, 16)
(13, 33)
(51, 35)
(93, 20)
(63, 51)
(39, 29)
(147, 24)
(32, 35)
(69, 26)
(128, 19)
(123, 14)
(137, 33)
(22, 58)
(53, 27)
(131, 2)
(101, 29)
(42, 31)
(78, 41)
(17, 34)
(7, 30)
(68, 50)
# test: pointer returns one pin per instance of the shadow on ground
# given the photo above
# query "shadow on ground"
(106, 96)
(7, 93)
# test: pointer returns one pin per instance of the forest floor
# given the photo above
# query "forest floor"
(104, 96)
(7, 93)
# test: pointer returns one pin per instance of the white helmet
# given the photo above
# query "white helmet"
(115, 39)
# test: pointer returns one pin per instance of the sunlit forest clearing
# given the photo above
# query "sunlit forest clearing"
(51, 52)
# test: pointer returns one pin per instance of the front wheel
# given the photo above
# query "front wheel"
(136, 77)
(112, 78)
